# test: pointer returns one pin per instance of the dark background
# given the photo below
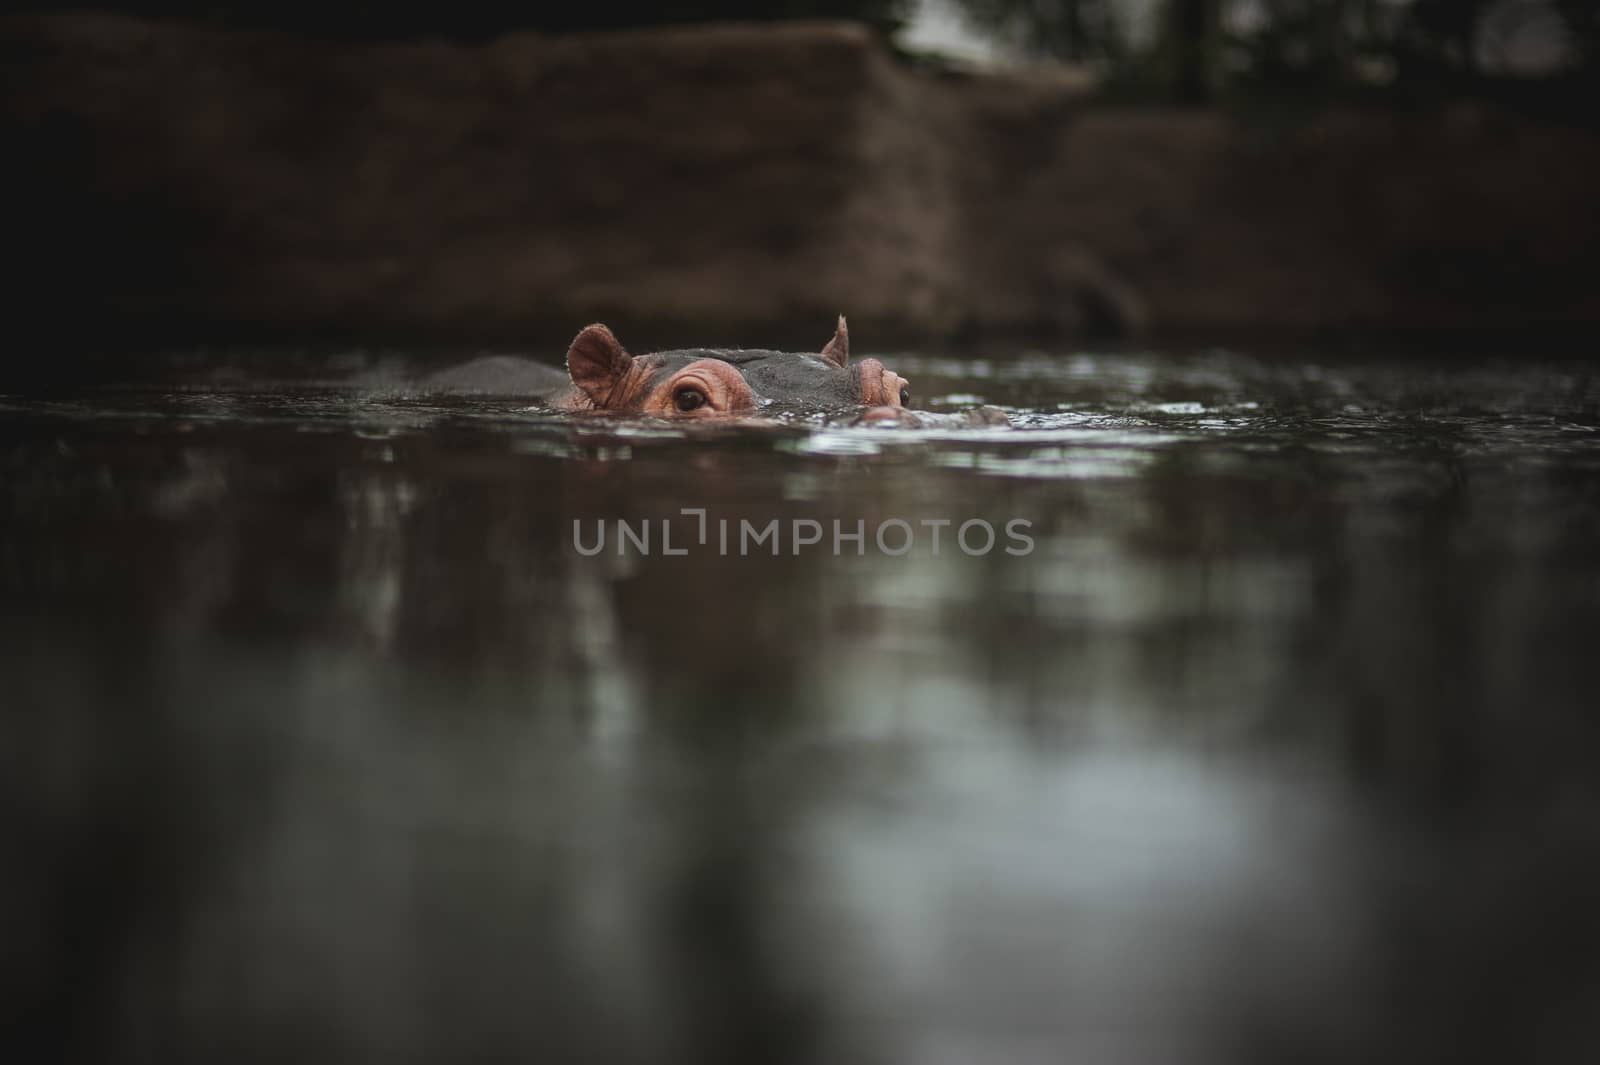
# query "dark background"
(473, 172)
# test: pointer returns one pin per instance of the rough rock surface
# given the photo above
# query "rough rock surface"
(738, 184)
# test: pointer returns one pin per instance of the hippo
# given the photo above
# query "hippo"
(697, 383)
(688, 383)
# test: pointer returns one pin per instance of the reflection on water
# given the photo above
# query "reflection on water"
(1278, 746)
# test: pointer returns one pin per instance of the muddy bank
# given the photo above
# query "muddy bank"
(739, 184)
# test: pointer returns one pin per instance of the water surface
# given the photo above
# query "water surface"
(1278, 744)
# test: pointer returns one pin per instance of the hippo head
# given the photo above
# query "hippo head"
(707, 382)
(824, 381)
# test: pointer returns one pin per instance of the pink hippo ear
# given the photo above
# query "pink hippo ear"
(596, 362)
(838, 350)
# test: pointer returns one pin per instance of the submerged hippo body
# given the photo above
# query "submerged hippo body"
(692, 383)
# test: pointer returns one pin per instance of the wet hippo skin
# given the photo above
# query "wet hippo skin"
(498, 375)
(692, 383)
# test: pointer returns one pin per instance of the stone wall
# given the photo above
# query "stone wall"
(738, 184)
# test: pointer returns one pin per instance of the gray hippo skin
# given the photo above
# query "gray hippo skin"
(498, 375)
(693, 382)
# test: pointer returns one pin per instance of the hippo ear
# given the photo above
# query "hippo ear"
(838, 349)
(596, 362)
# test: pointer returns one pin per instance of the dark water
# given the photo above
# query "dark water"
(325, 743)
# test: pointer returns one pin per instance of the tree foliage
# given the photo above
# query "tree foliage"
(1194, 49)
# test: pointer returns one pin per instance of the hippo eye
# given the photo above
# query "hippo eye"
(688, 398)
(905, 396)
